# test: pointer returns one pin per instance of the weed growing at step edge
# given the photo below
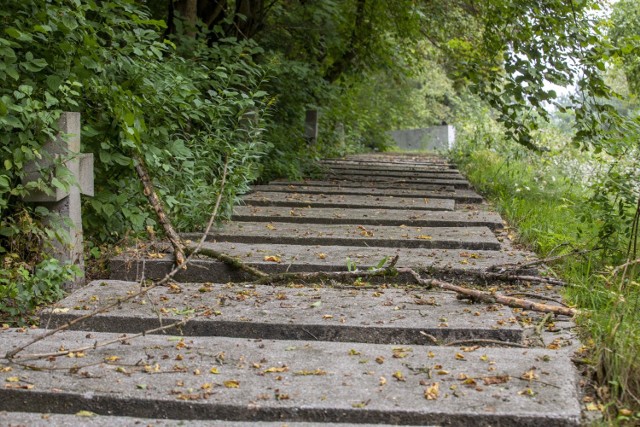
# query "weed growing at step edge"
(548, 210)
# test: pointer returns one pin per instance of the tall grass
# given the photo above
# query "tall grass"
(553, 215)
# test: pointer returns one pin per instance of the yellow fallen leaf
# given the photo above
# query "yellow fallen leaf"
(232, 384)
(593, 407)
(432, 392)
(529, 375)
(6, 369)
(431, 355)
(12, 379)
(398, 376)
(353, 352)
(270, 226)
(206, 386)
(498, 379)
(272, 258)
(85, 414)
(383, 380)
(274, 369)
(322, 255)
(424, 237)
(460, 356)
(314, 372)
(152, 368)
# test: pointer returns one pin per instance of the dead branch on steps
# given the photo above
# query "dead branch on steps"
(98, 344)
(325, 275)
(490, 298)
(156, 204)
(390, 269)
(227, 259)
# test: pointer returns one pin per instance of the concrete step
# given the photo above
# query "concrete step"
(376, 180)
(395, 217)
(392, 170)
(392, 166)
(449, 264)
(406, 185)
(460, 195)
(26, 419)
(444, 174)
(406, 159)
(474, 238)
(260, 198)
(379, 315)
(215, 378)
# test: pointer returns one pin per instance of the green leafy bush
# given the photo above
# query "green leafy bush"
(184, 116)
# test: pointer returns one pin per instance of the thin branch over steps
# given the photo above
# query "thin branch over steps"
(154, 201)
(491, 298)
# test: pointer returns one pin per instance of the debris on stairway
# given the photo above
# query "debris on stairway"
(263, 329)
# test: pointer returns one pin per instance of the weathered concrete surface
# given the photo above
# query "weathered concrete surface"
(404, 170)
(401, 167)
(450, 264)
(405, 185)
(393, 158)
(478, 238)
(382, 315)
(26, 419)
(460, 195)
(440, 138)
(375, 180)
(292, 380)
(476, 218)
(444, 174)
(347, 201)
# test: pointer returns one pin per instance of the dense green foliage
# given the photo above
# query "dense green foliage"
(184, 116)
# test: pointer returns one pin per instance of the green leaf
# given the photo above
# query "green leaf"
(69, 22)
(13, 32)
(53, 82)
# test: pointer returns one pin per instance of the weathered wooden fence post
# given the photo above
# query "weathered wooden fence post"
(66, 204)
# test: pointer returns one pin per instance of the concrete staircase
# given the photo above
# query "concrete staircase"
(383, 352)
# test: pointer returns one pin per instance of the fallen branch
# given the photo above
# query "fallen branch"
(326, 275)
(156, 204)
(104, 343)
(227, 259)
(491, 298)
